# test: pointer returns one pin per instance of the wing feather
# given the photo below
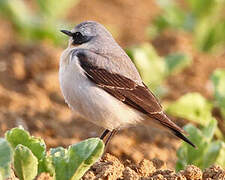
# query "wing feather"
(129, 92)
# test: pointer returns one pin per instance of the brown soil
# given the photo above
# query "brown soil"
(110, 168)
(30, 94)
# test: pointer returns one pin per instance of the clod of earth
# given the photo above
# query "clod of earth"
(109, 167)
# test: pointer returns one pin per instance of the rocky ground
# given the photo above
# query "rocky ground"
(30, 94)
(110, 168)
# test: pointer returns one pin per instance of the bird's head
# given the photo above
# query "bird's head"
(88, 33)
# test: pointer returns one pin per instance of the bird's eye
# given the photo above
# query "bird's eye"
(77, 35)
(79, 38)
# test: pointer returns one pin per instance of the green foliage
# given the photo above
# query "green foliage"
(172, 16)
(204, 18)
(25, 163)
(31, 158)
(197, 109)
(153, 68)
(18, 136)
(74, 162)
(209, 151)
(193, 107)
(45, 165)
(218, 79)
(42, 24)
(5, 159)
(176, 62)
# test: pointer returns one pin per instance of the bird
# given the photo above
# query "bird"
(101, 83)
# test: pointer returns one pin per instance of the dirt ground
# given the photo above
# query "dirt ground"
(30, 94)
(110, 168)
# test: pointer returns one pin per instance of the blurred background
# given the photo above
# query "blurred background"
(177, 46)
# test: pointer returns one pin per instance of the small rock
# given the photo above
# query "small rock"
(146, 168)
(129, 174)
(214, 172)
(192, 172)
(159, 164)
(108, 168)
(89, 175)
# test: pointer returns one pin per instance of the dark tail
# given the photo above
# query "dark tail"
(180, 135)
(176, 130)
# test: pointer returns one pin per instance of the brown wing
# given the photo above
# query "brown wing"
(131, 93)
(125, 89)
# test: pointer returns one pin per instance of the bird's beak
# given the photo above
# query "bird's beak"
(68, 33)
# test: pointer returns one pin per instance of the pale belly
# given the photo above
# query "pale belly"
(92, 102)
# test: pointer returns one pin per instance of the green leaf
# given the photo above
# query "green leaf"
(209, 34)
(25, 163)
(196, 136)
(202, 18)
(182, 153)
(193, 107)
(218, 79)
(187, 154)
(173, 15)
(17, 136)
(201, 7)
(71, 164)
(176, 62)
(32, 26)
(209, 151)
(5, 158)
(151, 67)
(210, 130)
(45, 165)
(215, 154)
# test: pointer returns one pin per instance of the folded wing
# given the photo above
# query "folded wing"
(128, 91)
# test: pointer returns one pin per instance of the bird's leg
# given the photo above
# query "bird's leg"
(112, 133)
(108, 138)
(104, 134)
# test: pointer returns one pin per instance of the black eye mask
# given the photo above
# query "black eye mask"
(78, 38)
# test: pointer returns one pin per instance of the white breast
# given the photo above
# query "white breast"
(90, 101)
